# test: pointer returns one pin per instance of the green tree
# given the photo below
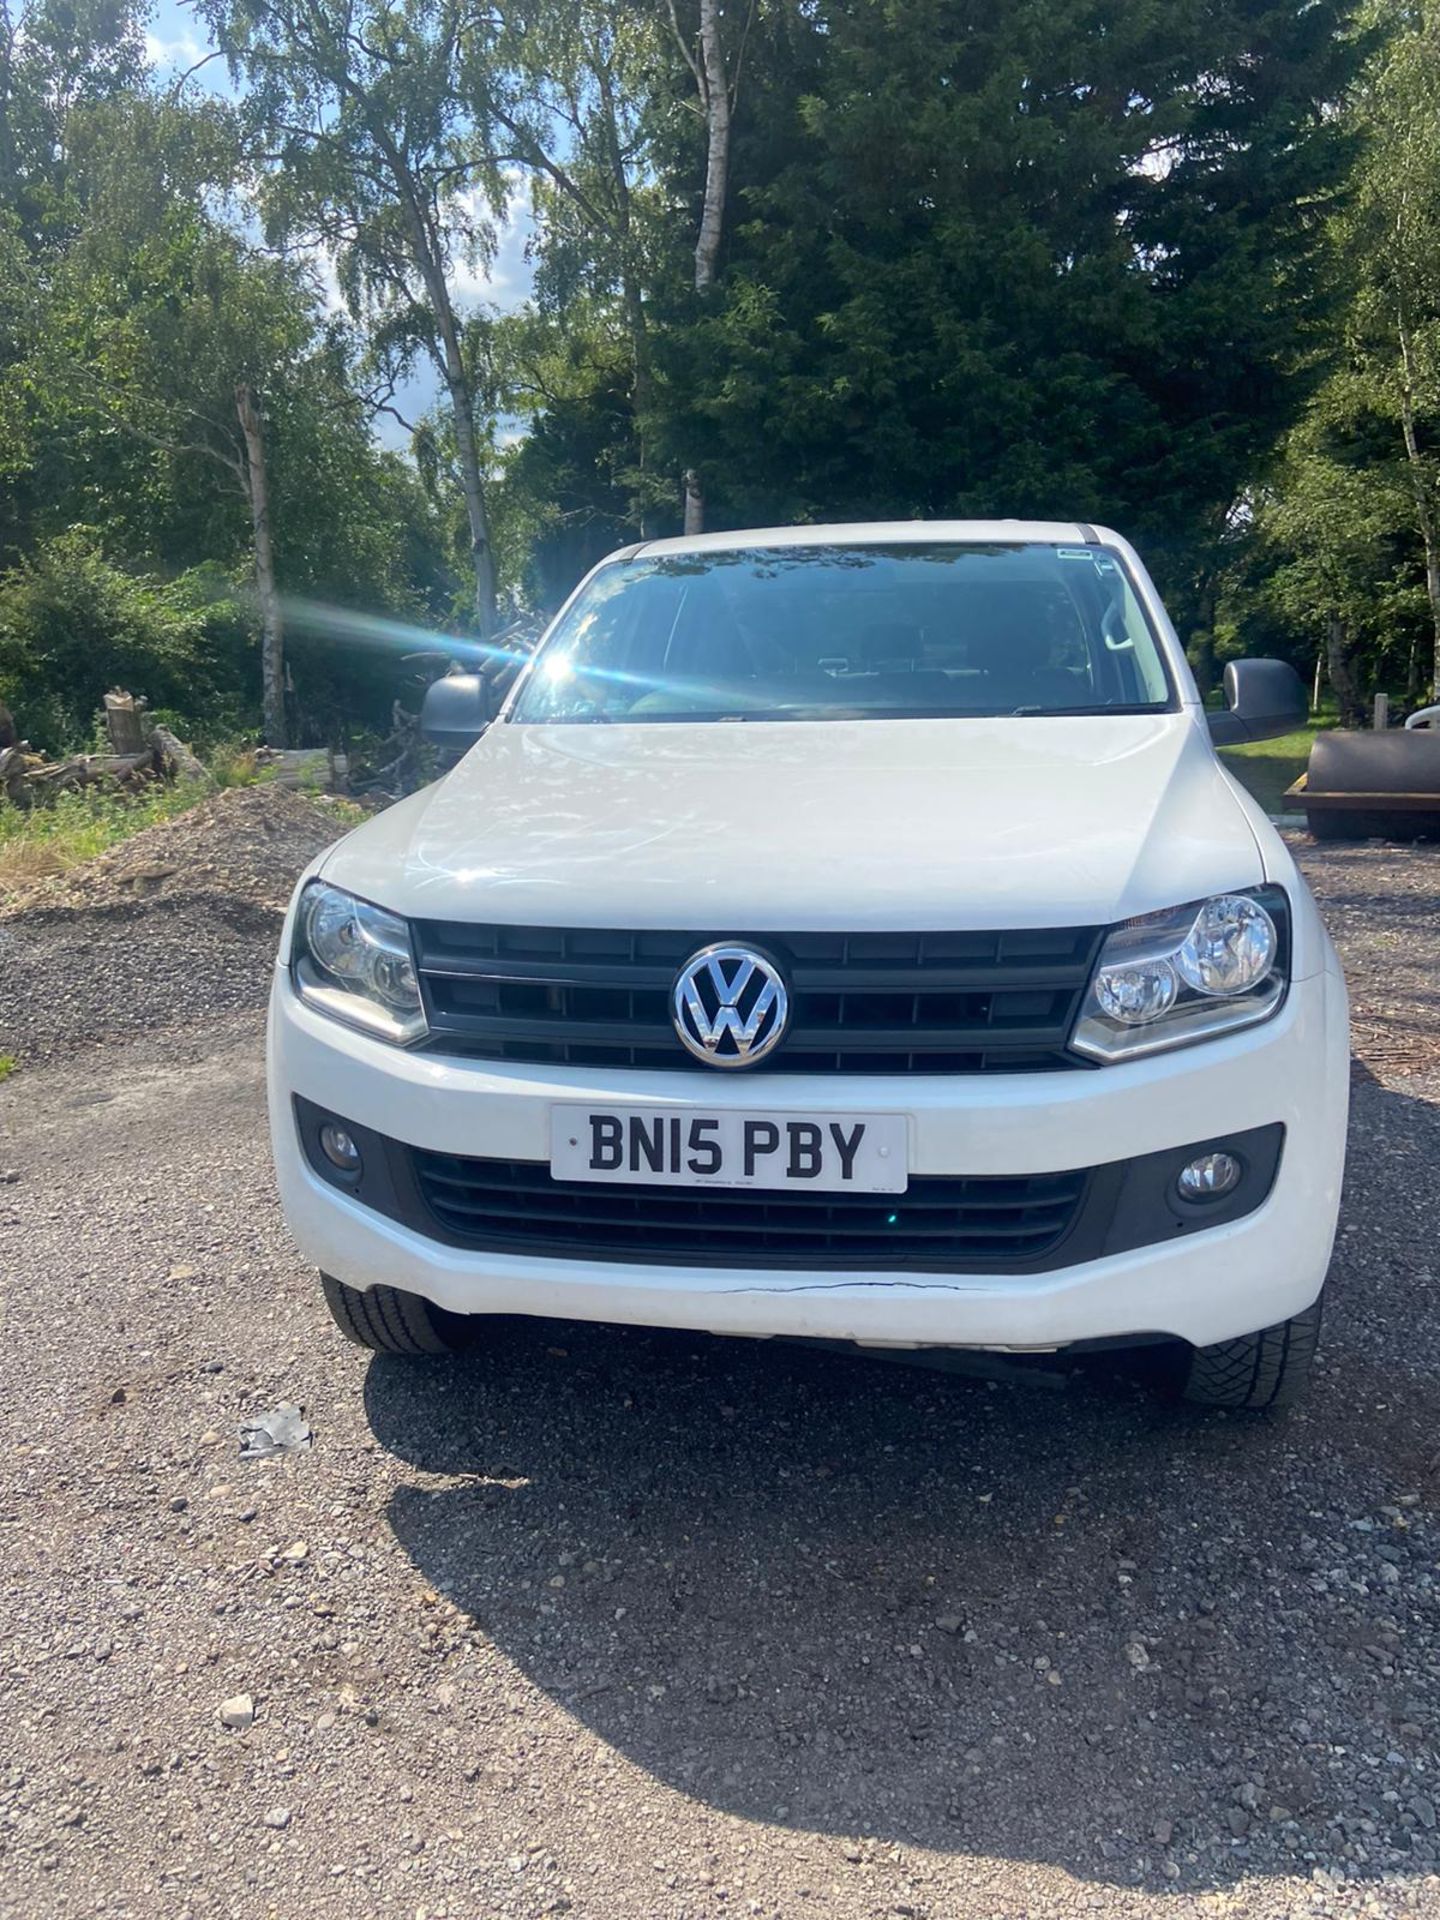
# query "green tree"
(994, 260)
(1391, 236)
(370, 155)
(1333, 533)
(573, 487)
(168, 329)
(73, 624)
(185, 395)
(715, 59)
(58, 59)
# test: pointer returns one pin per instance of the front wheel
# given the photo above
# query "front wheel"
(387, 1320)
(1266, 1369)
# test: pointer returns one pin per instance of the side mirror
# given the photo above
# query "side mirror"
(456, 711)
(1263, 698)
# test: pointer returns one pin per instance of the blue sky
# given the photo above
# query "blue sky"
(176, 40)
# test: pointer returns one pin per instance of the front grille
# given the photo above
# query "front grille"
(956, 1223)
(861, 1002)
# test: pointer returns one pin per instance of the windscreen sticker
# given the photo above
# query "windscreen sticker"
(1105, 564)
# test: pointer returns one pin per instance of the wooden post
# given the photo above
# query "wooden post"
(694, 502)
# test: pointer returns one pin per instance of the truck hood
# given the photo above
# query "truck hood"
(734, 827)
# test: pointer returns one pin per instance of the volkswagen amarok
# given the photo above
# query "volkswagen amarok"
(845, 933)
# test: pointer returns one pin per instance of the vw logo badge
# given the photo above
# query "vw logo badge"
(730, 1006)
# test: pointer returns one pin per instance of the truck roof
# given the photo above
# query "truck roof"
(878, 533)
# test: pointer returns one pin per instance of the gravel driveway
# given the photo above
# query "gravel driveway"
(627, 1624)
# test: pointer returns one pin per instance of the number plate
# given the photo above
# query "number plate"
(662, 1146)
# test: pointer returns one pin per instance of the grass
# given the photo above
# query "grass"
(74, 827)
(232, 764)
(7, 1065)
(1268, 767)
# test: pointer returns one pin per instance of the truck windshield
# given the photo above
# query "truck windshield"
(850, 633)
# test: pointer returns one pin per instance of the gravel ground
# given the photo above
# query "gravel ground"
(623, 1624)
(1382, 904)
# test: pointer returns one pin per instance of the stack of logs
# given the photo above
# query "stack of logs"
(141, 751)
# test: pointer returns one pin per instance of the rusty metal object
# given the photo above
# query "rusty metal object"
(1361, 786)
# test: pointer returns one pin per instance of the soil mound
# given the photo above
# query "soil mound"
(247, 844)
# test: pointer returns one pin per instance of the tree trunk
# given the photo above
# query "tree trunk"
(428, 263)
(1340, 661)
(272, 625)
(632, 296)
(467, 448)
(1424, 503)
(1413, 696)
(715, 98)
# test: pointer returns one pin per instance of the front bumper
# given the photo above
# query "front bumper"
(1206, 1287)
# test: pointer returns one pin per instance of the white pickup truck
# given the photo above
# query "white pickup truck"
(842, 932)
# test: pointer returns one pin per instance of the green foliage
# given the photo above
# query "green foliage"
(1176, 269)
(128, 347)
(569, 492)
(1002, 263)
(1345, 549)
(7, 1065)
(59, 61)
(1340, 526)
(73, 625)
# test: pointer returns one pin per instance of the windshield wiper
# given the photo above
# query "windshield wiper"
(1078, 713)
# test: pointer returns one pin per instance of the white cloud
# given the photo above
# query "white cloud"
(504, 281)
(329, 278)
(181, 52)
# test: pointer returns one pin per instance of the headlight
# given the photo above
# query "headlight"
(1187, 974)
(354, 960)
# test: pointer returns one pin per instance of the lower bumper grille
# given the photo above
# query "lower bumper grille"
(971, 1223)
(959, 1222)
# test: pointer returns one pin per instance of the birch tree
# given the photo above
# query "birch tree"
(715, 68)
(565, 93)
(712, 45)
(369, 155)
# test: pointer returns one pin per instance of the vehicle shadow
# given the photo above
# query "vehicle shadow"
(1077, 1626)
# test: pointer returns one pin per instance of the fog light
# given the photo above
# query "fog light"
(343, 1154)
(1209, 1176)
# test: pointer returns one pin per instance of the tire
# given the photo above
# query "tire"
(385, 1320)
(1266, 1369)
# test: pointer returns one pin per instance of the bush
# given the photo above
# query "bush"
(73, 625)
